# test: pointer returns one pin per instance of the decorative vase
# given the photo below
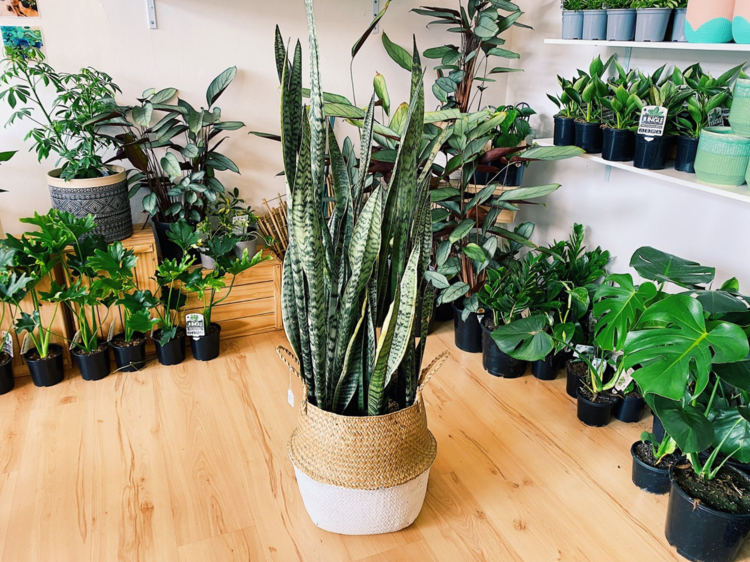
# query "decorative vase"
(621, 24)
(572, 24)
(739, 115)
(722, 157)
(709, 21)
(594, 25)
(741, 22)
(106, 198)
(651, 24)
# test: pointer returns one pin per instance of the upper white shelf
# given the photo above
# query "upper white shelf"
(678, 46)
(670, 175)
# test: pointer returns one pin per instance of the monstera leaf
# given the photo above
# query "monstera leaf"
(686, 424)
(659, 266)
(617, 309)
(674, 342)
(737, 374)
(732, 433)
(525, 339)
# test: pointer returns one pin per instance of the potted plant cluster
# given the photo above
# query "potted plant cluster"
(12, 292)
(594, 20)
(588, 91)
(572, 19)
(84, 184)
(652, 19)
(620, 20)
(624, 105)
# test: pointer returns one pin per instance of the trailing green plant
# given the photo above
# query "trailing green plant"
(36, 254)
(64, 126)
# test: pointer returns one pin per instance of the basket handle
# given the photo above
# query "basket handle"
(288, 357)
(429, 371)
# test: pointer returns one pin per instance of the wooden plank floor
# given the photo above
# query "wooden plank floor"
(188, 464)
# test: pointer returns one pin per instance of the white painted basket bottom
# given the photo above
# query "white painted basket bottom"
(362, 512)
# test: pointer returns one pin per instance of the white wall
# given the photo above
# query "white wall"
(630, 210)
(195, 41)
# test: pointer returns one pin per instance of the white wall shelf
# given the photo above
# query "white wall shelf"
(730, 47)
(669, 174)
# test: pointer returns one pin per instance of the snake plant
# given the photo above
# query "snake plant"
(364, 250)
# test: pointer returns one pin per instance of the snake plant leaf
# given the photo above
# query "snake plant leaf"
(737, 374)
(618, 305)
(686, 424)
(280, 53)
(406, 312)
(659, 266)
(365, 152)
(672, 341)
(351, 370)
(399, 55)
(376, 395)
(524, 339)
(291, 112)
(732, 433)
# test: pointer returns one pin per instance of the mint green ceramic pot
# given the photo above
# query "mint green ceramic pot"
(723, 157)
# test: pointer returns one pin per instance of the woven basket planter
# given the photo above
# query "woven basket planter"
(106, 198)
(722, 157)
(709, 21)
(364, 475)
(739, 115)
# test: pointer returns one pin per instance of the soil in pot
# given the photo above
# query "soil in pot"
(618, 145)
(565, 131)
(93, 365)
(467, 334)
(494, 361)
(589, 137)
(649, 474)
(687, 149)
(206, 348)
(630, 408)
(595, 411)
(7, 382)
(576, 371)
(172, 352)
(130, 355)
(47, 371)
(708, 520)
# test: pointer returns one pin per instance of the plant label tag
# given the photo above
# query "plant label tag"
(290, 397)
(625, 379)
(195, 325)
(585, 349)
(111, 332)
(27, 344)
(239, 225)
(653, 121)
(716, 117)
(75, 340)
(7, 345)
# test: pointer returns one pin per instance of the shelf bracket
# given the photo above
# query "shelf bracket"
(375, 12)
(626, 59)
(607, 173)
(151, 9)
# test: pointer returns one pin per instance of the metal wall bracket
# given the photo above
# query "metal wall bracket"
(151, 9)
(607, 173)
(375, 12)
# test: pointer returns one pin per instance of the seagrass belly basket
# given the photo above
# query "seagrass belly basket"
(363, 475)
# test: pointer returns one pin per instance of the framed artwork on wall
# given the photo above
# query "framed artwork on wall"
(19, 8)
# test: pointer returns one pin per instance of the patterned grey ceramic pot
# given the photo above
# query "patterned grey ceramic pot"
(106, 198)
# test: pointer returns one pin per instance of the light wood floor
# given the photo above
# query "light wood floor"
(188, 464)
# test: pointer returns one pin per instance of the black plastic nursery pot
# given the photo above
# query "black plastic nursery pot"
(206, 348)
(546, 369)
(630, 408)
(687, 149)
(47, 371)
(172, 352)
(129, 356)
(509, 175)
(467, 334)
(93, 366)
(657, 428)
(165, 248)
(651, 479)
(651, 154)
(700, 533)
(496, 362)
(443, 313)
(574, 379)
(618, 145)
(565, 131)
(589, 137)
(7, 382)
(595, 413)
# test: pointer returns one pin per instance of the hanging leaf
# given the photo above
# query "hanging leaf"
(400, 55)
(361, 41)
(219, 84)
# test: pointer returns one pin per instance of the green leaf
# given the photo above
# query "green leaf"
(617, 309)
(659, 266)
(142, 115)
(732, 433)
(366, 35)
(219, 84)
(437, 195)
(400, 55)
(163, 96)
(549, 153)
(687, 425)
(525, 193)
(437, 279)
(381, 90)
(461, 230)
(171, 166)
(524, 339)
(475, 252)
(487, 28)
(454, 292)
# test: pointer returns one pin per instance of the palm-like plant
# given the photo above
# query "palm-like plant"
(371, 252)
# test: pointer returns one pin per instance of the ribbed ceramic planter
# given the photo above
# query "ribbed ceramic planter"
(594, 25)
(106, 198)
(739, 115)
(620, 24)
(249, 245)
(678, 25)
(709, 21)
(722, 157)
(572, 24)
(741, 22)
(651, 24)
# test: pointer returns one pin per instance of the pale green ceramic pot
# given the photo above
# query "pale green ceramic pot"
(723, 157)
(739, 115)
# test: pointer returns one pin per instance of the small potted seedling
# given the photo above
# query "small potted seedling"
(572, 19)
(620, 20)
(652, 459)
(652, 19)
(12, 292)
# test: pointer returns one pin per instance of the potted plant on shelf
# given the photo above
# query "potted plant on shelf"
(679, 20)
(66, 126)
(182, 181)
(205, 335)
(116, 266)
(37, 254)
(587, 92)
(171, 276)
(231, 209)
(572, 19)
(594, 20)
(620, 20)
(565, 133)
(652, 19)
(625, 106)
(12, 292)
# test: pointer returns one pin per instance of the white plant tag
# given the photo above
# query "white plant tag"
(75, 340)
(653, 121)
(111, 332)
(7, 346)
(195, 325)
(27, 344)
(716, 117)
(583, 349)
(625, 379)
(598, 365)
